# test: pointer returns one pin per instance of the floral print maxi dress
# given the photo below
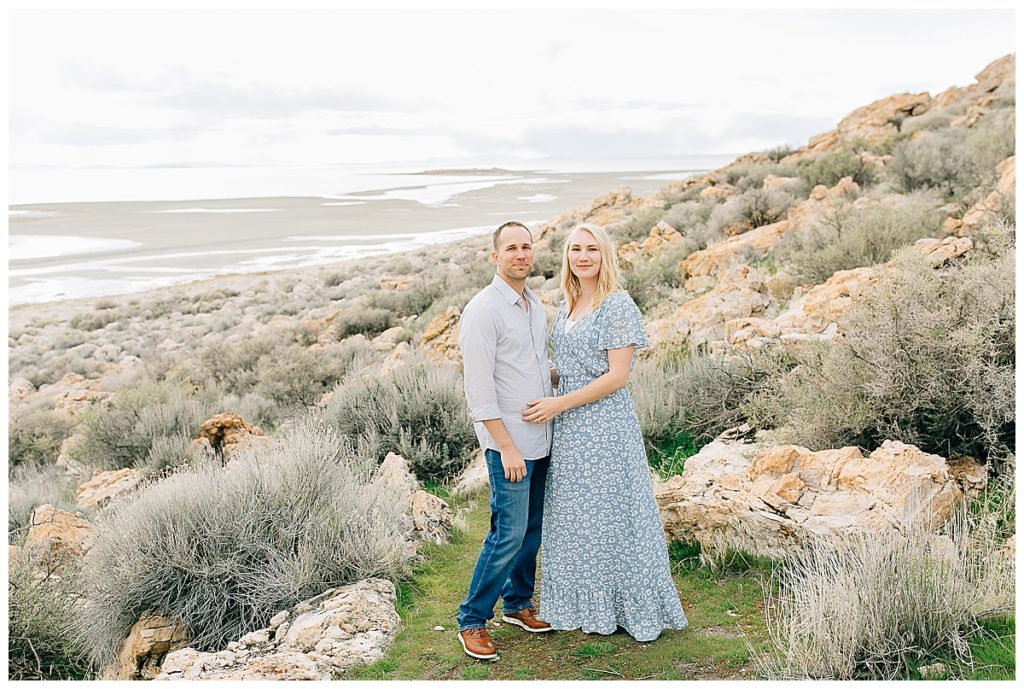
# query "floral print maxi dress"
(604, 562)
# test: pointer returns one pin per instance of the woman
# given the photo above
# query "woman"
(604, 563)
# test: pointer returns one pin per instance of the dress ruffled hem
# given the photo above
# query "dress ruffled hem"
(644, 614)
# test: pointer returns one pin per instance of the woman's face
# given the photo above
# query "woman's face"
(584, 255)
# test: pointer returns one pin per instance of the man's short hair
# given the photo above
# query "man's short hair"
(496, 237)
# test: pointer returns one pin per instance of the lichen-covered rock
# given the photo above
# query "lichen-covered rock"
(317, 639)
(229, 433)
(660, 236)
(60, 534)
(473, 477)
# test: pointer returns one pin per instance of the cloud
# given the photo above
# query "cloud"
(93, 135)
(373, 131)
(265, 101)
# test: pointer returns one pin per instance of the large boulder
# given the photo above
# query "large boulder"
(104, 485)
(427, 518)
(661, 236)
(317, 639)
(769, 500)
(75, 394)
(473, 477)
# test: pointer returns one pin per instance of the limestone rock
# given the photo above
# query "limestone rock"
(318, 638)
(986, 210)
(396, 283)
(608, 209)
(942, 251)
(66, 461)
(63, 535)
(395, 359)
(431, 517)
(75, 394)
(442, 336)
(146, 647)
(768, 500)
(702, 268)
(473, 477)
(104, 485)
(229, 433)
(395, 474)
(740, 293)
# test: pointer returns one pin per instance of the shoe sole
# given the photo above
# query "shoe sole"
(475, 655)
(520, 623)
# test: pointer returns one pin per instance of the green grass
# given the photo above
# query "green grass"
(721, 606)
(669, 458)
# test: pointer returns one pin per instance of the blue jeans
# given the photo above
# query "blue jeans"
(507, 565)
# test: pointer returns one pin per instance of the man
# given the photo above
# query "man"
(503, 339)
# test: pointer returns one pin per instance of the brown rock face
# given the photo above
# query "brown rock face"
(767, 500)
(661, 235)
(442, 336)
(146, 647)
(104, 485)
(227, 433)
(611, 208)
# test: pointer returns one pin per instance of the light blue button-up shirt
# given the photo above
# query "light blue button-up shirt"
(505, 363)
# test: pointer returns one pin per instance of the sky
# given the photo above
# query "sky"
(152, 88)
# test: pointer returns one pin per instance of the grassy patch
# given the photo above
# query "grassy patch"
(721, 606)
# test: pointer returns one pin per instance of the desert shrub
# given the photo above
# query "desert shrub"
(224, 549)
(93, 321)
(461, 284)
(779, 152)
(295, 375)
(872, 606)
(123, 435)
(418, 410)
(35, 437)
(651, 281)
(753, 208)
(368, 321)
(41, 612)
(847, 237)
(32, 485)
(926, 357)
(752, 176)
(637, 226)
(829, 168)
(960, 162)
(410, 301)
(698, 394)
(689, 217)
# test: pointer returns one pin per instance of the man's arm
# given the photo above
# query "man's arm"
(478, 342)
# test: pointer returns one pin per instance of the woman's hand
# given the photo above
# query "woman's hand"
(542, 410)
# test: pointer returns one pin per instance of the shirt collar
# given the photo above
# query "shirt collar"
(510, 295)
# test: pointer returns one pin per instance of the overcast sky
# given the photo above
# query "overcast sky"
(145, 88)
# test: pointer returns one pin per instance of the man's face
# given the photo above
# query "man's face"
(514, 257)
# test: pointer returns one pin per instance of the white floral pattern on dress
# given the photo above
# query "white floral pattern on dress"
(604, 563)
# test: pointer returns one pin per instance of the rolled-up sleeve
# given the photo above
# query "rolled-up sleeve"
(478, 338)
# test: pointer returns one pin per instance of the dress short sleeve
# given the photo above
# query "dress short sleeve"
(622, 324)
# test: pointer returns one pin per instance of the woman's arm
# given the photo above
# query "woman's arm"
(546, 408)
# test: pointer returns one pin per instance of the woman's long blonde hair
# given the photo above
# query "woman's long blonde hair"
(608, 279)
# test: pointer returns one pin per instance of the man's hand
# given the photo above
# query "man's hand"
(542, 410)
(513, 463)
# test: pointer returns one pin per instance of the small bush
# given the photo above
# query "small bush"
(847, 237)
(418, 410)
(637, 226)
(224, 549)
(651, 282)
(124, 435)
(926, 357)
(93, 321)
(829, 168)
(755, 207)
(367, 321)
(42, 644)
(36, 437)
(875, 606)
(410, 301)
(299, 376)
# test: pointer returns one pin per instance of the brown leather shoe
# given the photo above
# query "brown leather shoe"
(528, 620)
(477, 644)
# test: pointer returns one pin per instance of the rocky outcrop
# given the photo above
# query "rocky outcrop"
(609, 209)
(317, 639)
(75, 394)
(227, 434)
(987, 210)
(661, 236)
(104, 485)
(740, 293)
(19, 389)
(441, 336)
(768, 500)
(146, 647)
